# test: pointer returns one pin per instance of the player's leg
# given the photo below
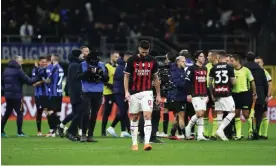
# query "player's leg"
(18, 108)
(39, 111)
(134, 108)
(264, 125)
(9, 109)
(238, 123)
(224, 104)
(95, 102)
(108, 103)
(155, 123)
(259, 109)
(147, 106)
(206, 122)
(85, 116)
(188, 115)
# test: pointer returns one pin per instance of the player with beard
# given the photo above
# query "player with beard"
(196, 88)
(143, 70)
(220, 82)
(212, 59)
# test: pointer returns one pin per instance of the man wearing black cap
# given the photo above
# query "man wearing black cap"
(261, 89)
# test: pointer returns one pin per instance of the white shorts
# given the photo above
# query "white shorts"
(199, 103)
(142, 101)
(225, 104)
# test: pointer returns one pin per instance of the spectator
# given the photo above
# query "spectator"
(26, 33)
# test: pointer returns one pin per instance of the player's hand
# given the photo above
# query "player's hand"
(158, 99)
(189, 98)
(255, 98)
(214, 99)
(127, 96)
(36, 64)
(268, 98)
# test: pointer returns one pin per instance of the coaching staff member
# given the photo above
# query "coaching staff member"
(13, 79)
(261, 89)
(93, 75)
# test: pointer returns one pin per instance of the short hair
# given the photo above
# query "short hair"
(229, 55)
(48, 57)
(171, 56)
(144, 44)
(57, 58)
(179, 57)
(250, 56)
(82, 47)
(258, 57)
(16, 57)
(128, 53)
(236, 57)
(184, 53)
(213, 51)
(222, 53)
(42, 58)
(114, 52)
(197, 53)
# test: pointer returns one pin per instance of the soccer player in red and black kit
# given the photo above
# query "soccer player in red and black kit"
(140, 71)
(223, 77)
(196, 87)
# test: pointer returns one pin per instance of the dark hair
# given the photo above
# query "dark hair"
(144, 44)
(171, 56)
(250, 56)
(237, 57)
(114, 52)
(42, 57)
(184, 53)
(49, 57)
(128, 53)
(82, 47)
(229, 55)
(197, 53)
(56, 56)
(258, 57)
(222, 53)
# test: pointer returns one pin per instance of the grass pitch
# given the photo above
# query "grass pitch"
(116, 151)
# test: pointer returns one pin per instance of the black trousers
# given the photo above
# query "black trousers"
(92, 102)
(122, 114)
(259, 110)
(13, 104)
(108, 104)
(155, 118)
(77, 114)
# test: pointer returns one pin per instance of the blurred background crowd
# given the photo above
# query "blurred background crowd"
(166, 20)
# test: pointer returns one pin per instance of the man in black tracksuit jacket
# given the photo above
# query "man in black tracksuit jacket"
(261, 88)
(75, 90)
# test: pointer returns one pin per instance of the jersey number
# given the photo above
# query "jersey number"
(221, 77)
(60, 76)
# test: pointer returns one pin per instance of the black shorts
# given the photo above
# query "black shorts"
(44, 101)
(210, 103)
(55, 103)
(180, 107)
(243, 100)
(170, 106)
(265, 107)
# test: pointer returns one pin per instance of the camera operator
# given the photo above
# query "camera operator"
(93, 76)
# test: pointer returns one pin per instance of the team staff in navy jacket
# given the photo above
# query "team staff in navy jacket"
(93, 75)
(74, 89)
(119, 94)
(178, 80)
(13, 79)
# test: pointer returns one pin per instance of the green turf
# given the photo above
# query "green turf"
(37, 150)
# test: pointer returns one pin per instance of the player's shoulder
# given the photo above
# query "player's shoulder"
(209, 65)
(245, 69)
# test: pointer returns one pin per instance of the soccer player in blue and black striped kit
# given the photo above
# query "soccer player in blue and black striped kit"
(54, 79)
(40, 94)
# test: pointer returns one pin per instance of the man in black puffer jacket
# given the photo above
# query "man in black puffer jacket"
(261, 88)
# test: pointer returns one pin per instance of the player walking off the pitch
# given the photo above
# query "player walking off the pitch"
(140, 71)
(224, 77)
(196, 88)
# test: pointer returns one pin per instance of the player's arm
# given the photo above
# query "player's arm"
(110, 86)
(156, 79)
(128, 70)
(51, 73)
(250, 78)
(189, 80)
(210, 82)
(265, 83)
(232, 76)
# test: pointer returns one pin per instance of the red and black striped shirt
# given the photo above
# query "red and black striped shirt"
(196, 80)
(141, 70)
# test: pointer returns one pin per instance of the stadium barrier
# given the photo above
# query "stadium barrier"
(29, 109)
